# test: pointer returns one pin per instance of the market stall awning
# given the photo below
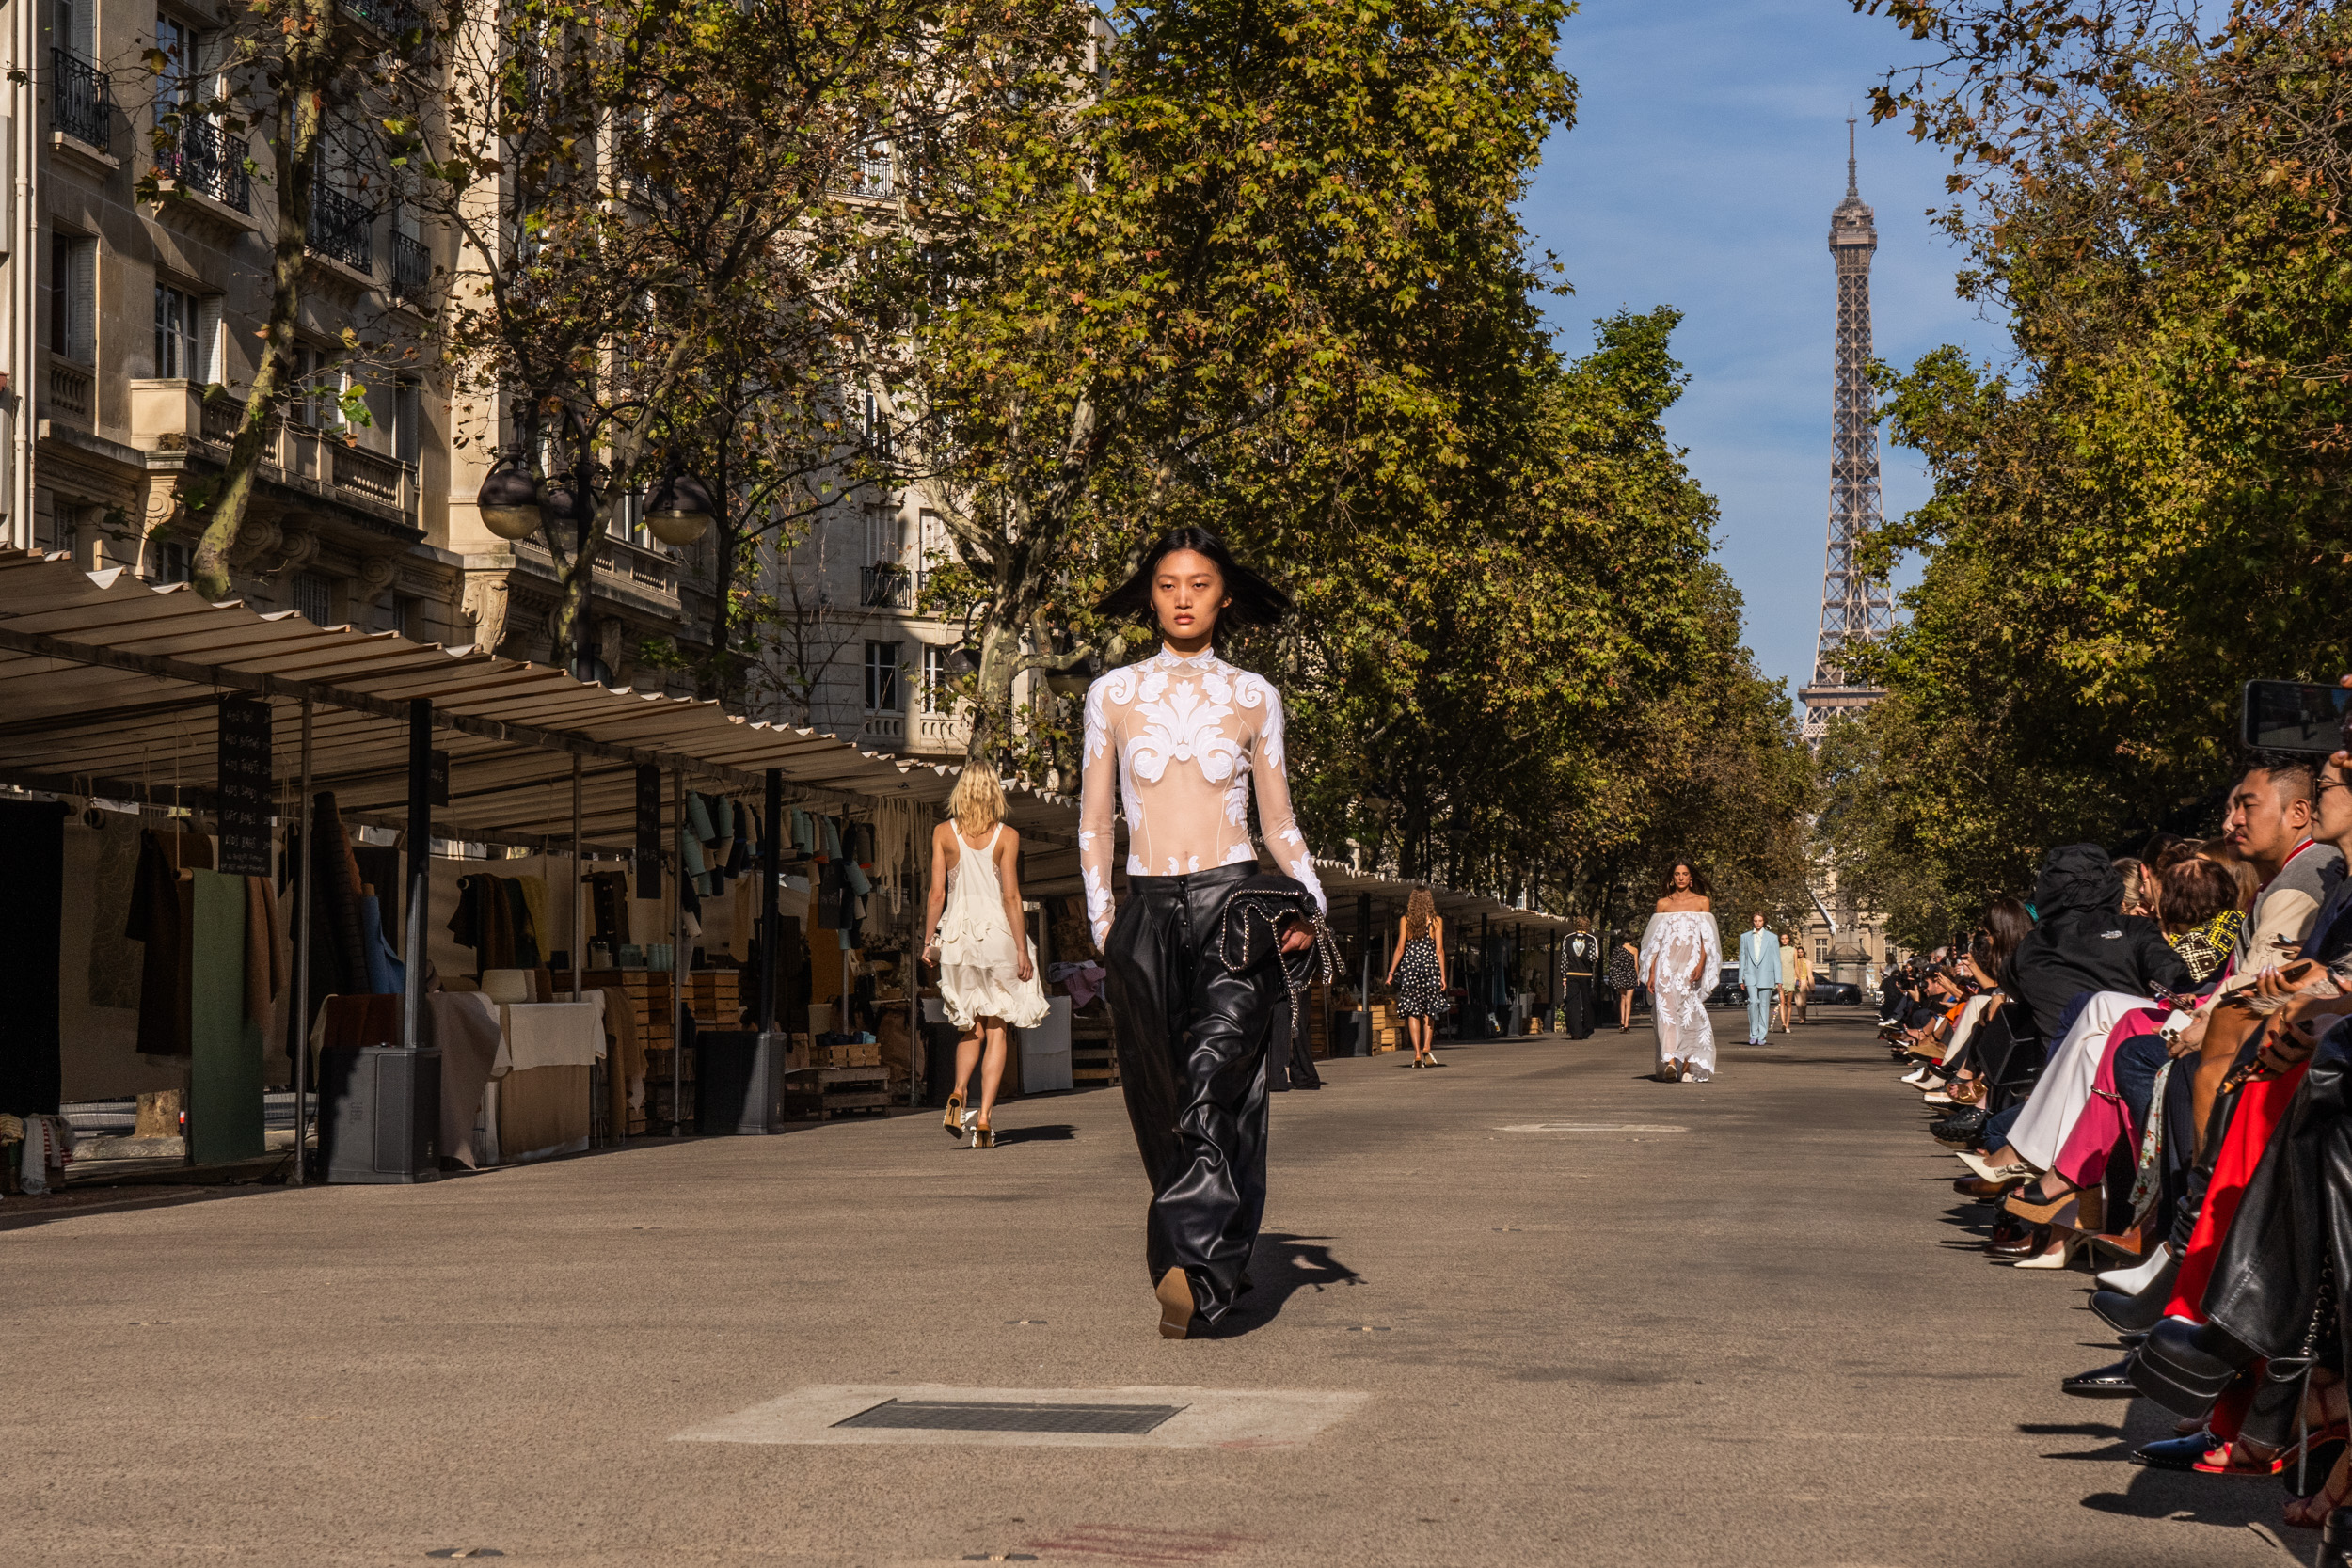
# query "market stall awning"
(110, 687)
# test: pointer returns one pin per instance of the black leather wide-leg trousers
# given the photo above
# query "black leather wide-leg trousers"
(1192, 1045)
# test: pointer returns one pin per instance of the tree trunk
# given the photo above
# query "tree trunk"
(295, 144)
(991, 715)
(719, 680)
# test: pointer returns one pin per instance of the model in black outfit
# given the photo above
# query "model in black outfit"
(1195, 980)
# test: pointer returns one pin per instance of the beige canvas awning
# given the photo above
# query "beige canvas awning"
(110, 687)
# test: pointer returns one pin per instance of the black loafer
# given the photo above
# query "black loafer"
(2176, 1453)
(2101, 1383)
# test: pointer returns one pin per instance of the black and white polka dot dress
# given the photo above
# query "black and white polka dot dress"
(1417, 991)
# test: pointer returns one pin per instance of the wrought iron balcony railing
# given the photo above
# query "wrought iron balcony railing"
(341, 228)
(885, 588)
(868, 175)
(81, 100)
(412, 266)
(204, 160)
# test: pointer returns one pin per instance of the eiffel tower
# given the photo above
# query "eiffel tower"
(1855, 608)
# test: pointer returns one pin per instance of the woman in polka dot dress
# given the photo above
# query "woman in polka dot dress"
(1418, 974)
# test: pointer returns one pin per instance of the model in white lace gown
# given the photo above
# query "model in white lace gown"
(1681, 949)
(985, 963)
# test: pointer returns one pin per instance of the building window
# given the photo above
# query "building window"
(314, 398)
(74, 22)
(935, 679)
(177, 42)
(1820, 952)
(882, 677)
(405, 615)
(73, 298)
(314, 598)
(187, 329)
(171, 561)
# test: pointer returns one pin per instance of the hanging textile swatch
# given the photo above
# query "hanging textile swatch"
(159, 918)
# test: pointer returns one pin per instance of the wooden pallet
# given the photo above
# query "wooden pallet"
(1094, 1057)
(824, 1093)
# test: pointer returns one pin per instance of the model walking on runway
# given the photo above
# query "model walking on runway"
(1680, 951)
(1625, 975)
(988, 978)
(1194, 981)
(1421, 955)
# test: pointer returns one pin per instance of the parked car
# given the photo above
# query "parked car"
(1842, 992)
(1730, 991)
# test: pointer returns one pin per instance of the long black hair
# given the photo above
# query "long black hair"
(1256, 601)
(1698, 883)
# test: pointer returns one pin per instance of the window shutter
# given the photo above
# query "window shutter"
(408, 423)
(75, 19)
(206, 369)
(82, 300)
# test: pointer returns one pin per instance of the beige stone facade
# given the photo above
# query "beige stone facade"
(144, 329)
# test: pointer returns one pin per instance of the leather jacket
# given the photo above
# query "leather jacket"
(2295, 1216)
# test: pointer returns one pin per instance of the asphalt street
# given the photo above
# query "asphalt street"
(1529, 1308)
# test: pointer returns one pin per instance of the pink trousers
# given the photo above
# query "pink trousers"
(2105, 1121)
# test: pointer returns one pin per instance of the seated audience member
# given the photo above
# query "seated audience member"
(2197, 1007)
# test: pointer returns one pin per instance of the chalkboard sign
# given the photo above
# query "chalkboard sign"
(437, 779)
(243, 810)
(648, 831)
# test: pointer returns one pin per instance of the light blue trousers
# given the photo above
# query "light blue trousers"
(1759, 1011)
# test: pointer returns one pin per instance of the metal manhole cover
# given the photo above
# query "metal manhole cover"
(1125, 1420)
(1592, 1127)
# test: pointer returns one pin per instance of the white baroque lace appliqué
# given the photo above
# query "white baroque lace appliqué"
(1181, 723)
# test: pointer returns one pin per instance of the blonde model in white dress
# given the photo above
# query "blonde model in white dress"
(1681, 950)
(988, 979)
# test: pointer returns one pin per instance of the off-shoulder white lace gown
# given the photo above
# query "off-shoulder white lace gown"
(1676, 943)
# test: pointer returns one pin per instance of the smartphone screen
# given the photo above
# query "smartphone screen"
(2291, 716)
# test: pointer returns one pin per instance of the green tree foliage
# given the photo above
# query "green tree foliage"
(1296, 307)
(673, 232)
(1241, 234)
(2145, 506)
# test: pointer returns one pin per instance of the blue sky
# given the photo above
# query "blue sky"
(1709, 150)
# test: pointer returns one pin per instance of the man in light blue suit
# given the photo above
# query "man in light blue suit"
(1759, 970)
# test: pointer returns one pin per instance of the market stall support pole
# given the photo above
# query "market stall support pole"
(1363, 994)
(769, 863)
(678, 957)
(420, 866)
(579, 946)
(1486, 969)
(298, 1008)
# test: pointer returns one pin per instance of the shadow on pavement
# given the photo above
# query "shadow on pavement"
(1051, 1133)
(1281, 1266)
(23, 1211)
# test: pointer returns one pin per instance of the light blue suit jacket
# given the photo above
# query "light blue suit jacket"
(1760, 958)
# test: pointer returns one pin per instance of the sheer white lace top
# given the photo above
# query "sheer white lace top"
(1186, 737)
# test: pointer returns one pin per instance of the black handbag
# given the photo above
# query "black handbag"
(2184, 1366)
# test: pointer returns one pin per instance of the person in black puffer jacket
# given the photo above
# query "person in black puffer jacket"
(2085, 944)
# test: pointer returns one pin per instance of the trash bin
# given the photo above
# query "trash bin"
(739, 1081)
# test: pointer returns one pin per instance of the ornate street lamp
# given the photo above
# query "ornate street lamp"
(509, 499)
(679, 510)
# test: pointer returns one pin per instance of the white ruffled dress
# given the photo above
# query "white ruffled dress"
(979, 957)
